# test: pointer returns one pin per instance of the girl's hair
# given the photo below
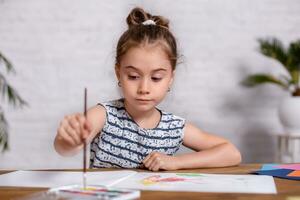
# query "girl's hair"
(139, 34)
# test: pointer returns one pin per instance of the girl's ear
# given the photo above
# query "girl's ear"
(117, 72)
(172, 78)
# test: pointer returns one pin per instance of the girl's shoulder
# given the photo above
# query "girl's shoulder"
(113, 105)
(117, 103)
(167, 117)
(115, 109)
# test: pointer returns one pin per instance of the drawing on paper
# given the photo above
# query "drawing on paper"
(178, 177)
(151, 180)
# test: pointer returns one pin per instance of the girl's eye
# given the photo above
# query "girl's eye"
(156, 79)
(132, 77)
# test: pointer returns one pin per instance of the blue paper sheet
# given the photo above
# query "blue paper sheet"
(271, 170)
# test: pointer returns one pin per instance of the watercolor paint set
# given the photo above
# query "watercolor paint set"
(93, 192)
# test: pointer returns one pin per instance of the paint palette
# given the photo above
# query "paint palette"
(93, 192)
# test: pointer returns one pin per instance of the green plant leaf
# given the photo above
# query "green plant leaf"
(289, 58)
(258, 79)
(274, 48)
(3, 131)
(7, 63)
(294, 55)
(13, 98)
(293, 61)
(10, 93)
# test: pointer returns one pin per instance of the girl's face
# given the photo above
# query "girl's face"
(145, 74)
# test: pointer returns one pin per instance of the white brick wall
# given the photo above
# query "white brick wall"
(60, 46)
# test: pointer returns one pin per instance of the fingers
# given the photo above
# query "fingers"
(153, 161)
(85, 126)
(147, 159)
(68, 133)
(88, 126)
(63, 135)
(156, 164)
(74, 129)
(74, 124)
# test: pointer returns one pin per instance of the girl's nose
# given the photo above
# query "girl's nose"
(144, 87)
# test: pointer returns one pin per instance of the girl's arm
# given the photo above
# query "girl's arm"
(73, 128)
(211, 151)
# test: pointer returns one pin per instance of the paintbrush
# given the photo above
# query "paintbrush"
(84, 142)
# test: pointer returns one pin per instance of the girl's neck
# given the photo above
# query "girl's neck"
(148, 119)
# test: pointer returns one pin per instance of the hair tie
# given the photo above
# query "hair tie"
(149, 22)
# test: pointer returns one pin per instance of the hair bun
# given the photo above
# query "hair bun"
(137, 16)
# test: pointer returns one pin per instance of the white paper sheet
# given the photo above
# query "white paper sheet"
(59, 178)
(196, 182)
(126, 179)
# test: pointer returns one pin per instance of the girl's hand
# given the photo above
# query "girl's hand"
(73, 130)
(156, 161)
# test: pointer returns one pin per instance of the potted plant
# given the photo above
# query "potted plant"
(289, 58)
(8, 94)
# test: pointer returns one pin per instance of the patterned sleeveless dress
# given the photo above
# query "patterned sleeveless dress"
(123, 144)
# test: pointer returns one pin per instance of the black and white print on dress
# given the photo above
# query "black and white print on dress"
(123, 144)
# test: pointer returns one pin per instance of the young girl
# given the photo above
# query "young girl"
(132, 132)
